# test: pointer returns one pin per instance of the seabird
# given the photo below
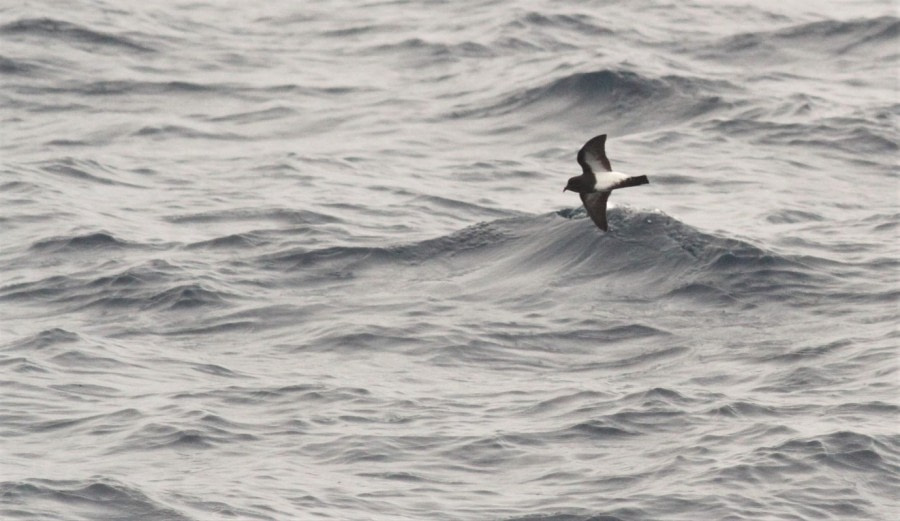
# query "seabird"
(598, 180)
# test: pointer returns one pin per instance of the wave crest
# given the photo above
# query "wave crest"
(580, 98)
(71, 33)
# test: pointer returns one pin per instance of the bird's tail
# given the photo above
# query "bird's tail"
(633, 181)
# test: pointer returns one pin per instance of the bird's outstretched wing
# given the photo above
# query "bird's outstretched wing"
(595, 204)
(592, 156)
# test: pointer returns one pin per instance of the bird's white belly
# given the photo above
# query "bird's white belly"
(607, 179)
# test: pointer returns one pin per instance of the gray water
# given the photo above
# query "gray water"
(312, 260)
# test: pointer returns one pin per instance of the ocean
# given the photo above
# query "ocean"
(313, 260)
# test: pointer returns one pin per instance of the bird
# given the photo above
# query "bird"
(598, 180)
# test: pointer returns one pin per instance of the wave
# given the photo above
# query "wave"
(283, 215)
(182, 296)
(86, 170)
(830, 38)
(181, 131)
(254, 116)
(50, 28)
(155, 436)
(167, 89)
(525, 32)
(129, 87)
(11, 66)
(432, 52)
(471, 238)
(564, 22)
(105, 422)
(844, 451)
(618, 514)
(789, 216)
(91, 241)
(96, 498)
(854, 136)
(232, 242)
(650, 254)
(177, 296)
(646, 255)
(154, 285)
(609, 95)
(46, 338)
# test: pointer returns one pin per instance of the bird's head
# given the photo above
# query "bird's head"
(574, 185)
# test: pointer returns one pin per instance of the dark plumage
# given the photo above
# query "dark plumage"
(598, 180)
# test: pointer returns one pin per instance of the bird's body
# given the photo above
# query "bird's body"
(598, 180)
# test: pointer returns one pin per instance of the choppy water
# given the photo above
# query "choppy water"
(312, 260)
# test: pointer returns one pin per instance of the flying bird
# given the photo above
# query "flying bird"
(598, 180)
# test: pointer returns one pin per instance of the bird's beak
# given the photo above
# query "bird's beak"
(566, 188)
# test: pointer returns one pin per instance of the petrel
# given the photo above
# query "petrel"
(598, 180)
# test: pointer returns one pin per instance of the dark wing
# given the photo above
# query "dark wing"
(595, 204)
(592, 156)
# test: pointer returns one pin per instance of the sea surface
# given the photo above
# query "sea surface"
(312, 260)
